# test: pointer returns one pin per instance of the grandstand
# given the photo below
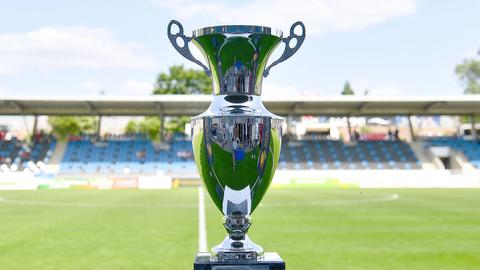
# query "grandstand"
(18, 155)
(134, 155)
(330, 154)
(138, 155)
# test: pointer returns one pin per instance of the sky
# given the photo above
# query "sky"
(85, 48)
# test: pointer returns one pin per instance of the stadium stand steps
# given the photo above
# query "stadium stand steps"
(470, 148)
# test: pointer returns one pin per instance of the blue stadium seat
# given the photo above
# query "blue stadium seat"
(329, 154)
(136, 155)
(470, 148)
(26, 155)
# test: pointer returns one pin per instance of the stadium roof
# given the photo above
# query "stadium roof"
(169, 105)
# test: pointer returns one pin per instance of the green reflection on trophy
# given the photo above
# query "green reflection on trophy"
(236, 141)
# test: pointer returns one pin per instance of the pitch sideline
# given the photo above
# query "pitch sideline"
(386, 198)
(4, 200)
(202, 223)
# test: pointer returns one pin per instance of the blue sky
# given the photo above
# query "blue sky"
(392, 47)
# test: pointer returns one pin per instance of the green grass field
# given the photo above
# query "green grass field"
(311, 228)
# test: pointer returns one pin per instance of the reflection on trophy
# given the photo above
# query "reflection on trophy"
(237, 141)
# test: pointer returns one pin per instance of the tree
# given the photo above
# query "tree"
(347, 89)
(177, 80)
(183, 81)
(469, 72)
(150, 126)
(177, 124)
(63, 126)
(132, 126)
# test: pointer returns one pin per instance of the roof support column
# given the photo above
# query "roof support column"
(99, 126)
(162, 132)
(474, 130)
(35, 124)
(290, 133)
(349, 129)
(159, 108)
(410, 127)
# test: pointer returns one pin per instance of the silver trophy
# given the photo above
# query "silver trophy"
(236, 141)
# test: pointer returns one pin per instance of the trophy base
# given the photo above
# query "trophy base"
(270, 261)
(243, 249)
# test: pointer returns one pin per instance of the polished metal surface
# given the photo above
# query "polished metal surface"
(292, 43)
(236, 156)
(237, 61)
(236, 141)
(183, 47)
(270, 261)
(237, 29)
(237, 245)
(237, 55)
(236, 148)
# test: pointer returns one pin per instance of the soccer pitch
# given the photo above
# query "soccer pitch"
(311, 228)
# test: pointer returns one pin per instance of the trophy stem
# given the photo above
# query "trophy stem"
(237, 226)
(237, 246)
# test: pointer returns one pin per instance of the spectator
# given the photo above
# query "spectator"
(140, 154)
(357, 135)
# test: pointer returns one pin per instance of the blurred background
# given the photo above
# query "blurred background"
(380, 160)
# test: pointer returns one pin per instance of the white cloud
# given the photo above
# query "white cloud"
(134, 87)
(6, 69)
(68, 47)
(319, 16)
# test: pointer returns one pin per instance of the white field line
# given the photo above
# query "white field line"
(202, 223)
(89, 205)
(387, 198)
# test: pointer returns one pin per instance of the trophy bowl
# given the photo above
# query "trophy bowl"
(236, 141)
(236, 157)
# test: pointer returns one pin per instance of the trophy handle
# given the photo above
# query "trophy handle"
(289, 51)
(183, 49)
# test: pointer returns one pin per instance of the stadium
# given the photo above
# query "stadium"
(360, 152)
(361, 193)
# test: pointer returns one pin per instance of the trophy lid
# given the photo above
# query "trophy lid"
(237, 30)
